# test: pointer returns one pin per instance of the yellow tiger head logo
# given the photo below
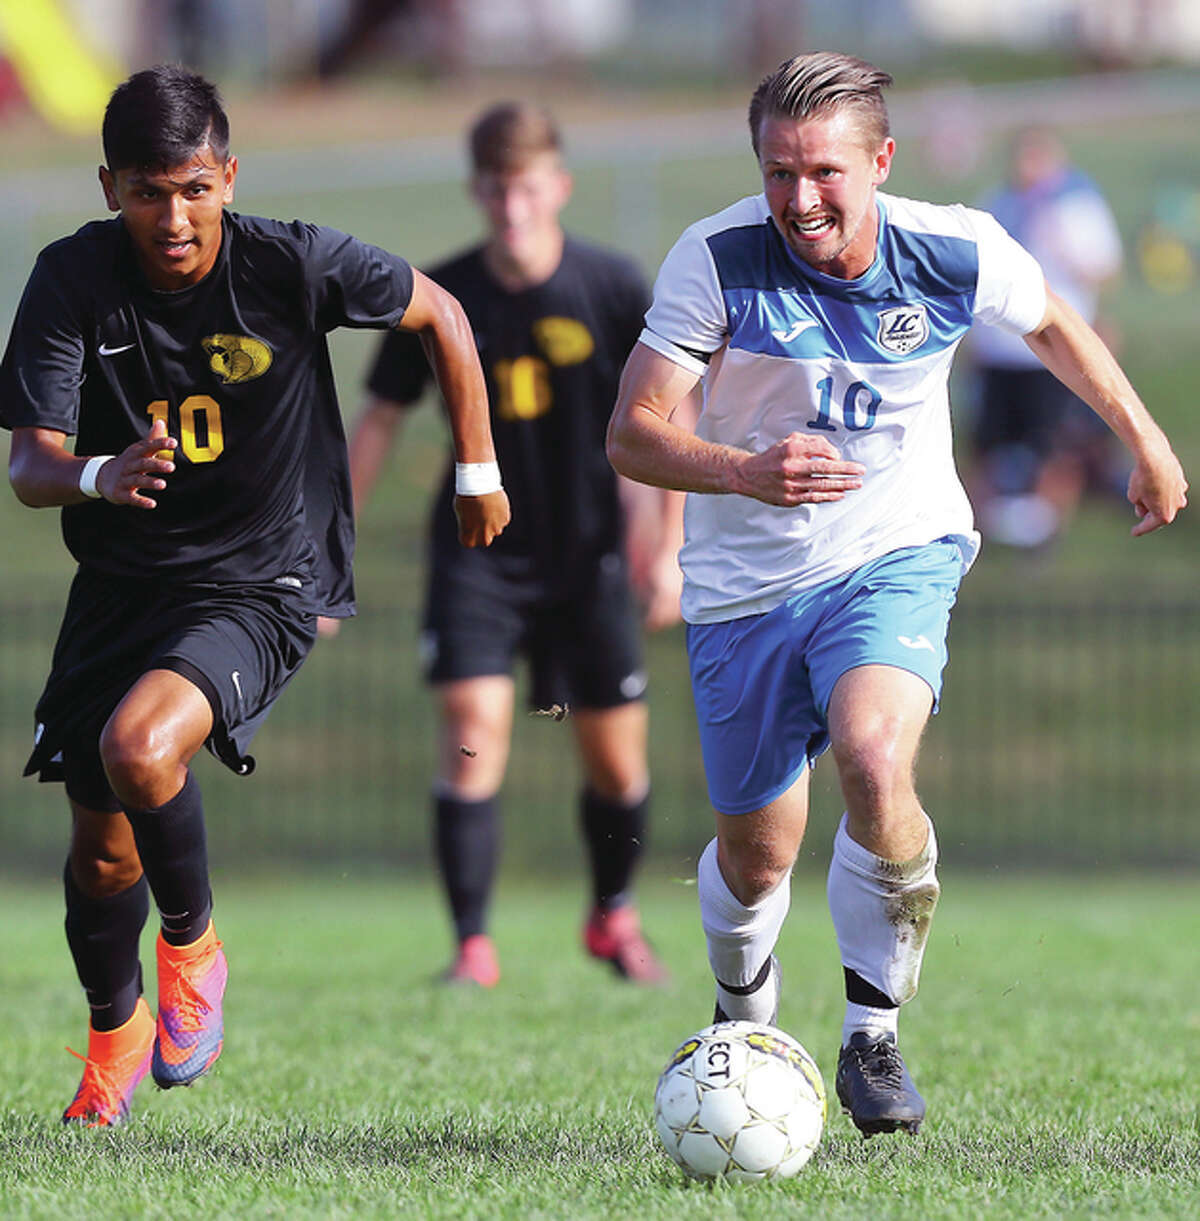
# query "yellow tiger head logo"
(236, 358)
(565, 341)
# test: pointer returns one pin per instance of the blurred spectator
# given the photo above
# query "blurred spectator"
(364, 21)
(1036, 448)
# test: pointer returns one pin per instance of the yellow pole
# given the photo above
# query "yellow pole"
(67, 81)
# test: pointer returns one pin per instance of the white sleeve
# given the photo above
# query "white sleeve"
(687, 314)
(1011, 290)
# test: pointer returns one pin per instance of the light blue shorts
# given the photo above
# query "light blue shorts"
(762, 684)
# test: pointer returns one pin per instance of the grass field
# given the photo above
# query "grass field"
(1055, 1034)
(1054, 1040)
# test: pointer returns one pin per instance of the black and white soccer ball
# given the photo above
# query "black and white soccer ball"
(740, 1101)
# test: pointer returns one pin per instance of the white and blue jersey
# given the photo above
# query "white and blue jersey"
(864, 363)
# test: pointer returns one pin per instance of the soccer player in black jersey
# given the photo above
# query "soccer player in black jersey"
(207, 502)
(554, 320)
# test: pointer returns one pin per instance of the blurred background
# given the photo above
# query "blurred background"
(1069, 732)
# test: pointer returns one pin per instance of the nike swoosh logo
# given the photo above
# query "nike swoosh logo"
(919, 643)
(798, 328)
(105, 350)
(237, 685)
(173, 1053)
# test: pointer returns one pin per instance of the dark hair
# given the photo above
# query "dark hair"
(818, 84)
(160, 117)
(508, 135)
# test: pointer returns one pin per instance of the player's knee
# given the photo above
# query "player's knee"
(140, 760)
(620, 786)
(753, 870)
(874, 769)
(470, 773)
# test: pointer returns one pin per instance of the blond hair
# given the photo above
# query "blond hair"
(819, 83)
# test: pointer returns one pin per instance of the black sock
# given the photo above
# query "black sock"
(103, 936)
(615, 835)
(467, 839)
(172, 845)
(859, 992)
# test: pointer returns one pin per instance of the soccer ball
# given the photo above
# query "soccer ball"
(740, 1101)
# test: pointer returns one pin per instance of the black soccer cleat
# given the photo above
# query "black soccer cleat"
(874, 1087)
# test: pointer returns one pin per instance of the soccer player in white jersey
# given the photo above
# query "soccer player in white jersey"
(826, 528)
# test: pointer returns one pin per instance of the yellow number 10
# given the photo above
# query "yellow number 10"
(523, 388)
(198, 414)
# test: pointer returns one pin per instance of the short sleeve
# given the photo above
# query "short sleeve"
(42, 370)
(401, 370)
(687, 317)
(352, 283)
(1011, 289)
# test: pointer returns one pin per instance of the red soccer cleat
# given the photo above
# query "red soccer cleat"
(614, 935)
(476, 963)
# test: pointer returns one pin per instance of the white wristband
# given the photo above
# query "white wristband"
(476, 478)
(87, 476)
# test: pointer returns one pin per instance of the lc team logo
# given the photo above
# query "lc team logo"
(236, 358)
(903, 328)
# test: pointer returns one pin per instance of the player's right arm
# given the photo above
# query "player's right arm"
(370, 443)
(42, 371)
(644, 444)
(45, 474)
(449, 343)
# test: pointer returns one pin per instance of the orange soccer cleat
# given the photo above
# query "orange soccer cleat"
(191, 1029)
(116, 1061)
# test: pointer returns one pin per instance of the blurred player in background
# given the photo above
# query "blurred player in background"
(554, 320)
(1037, 447)
(827, 531)
(207, 504)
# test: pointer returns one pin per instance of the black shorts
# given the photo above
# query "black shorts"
(1033, 409)
(240, 644)
(583, 641)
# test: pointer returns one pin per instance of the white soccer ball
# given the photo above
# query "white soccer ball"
(740, 1101)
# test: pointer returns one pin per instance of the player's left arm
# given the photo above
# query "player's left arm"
(1078, 357)
(437, 317)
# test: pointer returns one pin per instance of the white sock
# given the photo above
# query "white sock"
(870, 1020)
(740, 939)
(881, 913)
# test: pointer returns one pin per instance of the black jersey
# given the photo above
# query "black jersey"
(553, 356)
(237, 367)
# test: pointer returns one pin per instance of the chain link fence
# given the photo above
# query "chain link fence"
(1067, 739)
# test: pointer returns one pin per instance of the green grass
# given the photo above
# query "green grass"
(1053, 1039)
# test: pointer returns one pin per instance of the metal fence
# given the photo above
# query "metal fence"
(1067, 738)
